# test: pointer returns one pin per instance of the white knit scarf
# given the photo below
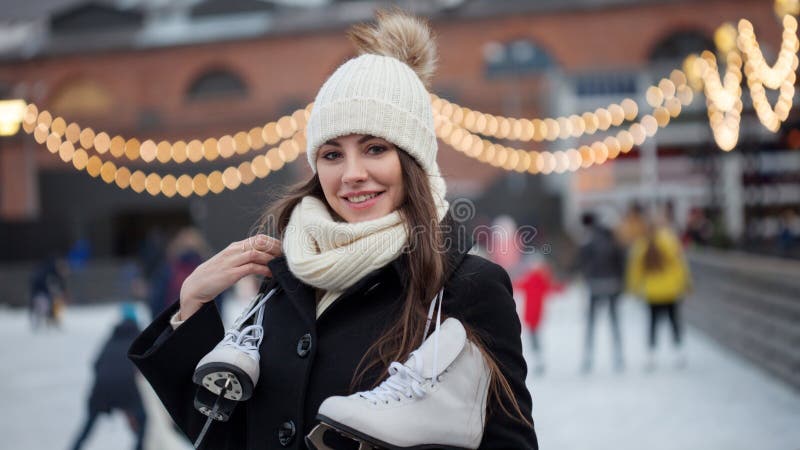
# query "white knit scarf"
(333, 256)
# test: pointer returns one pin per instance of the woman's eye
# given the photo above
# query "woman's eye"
(376, 149)
(330, 156)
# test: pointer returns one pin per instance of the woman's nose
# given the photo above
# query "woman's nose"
(354, 171)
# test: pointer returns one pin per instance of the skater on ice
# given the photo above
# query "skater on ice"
(601, 262)
(658, 273)
(114, 387)
(373, 323)
(536, 285)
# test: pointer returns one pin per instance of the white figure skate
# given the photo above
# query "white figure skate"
(437, 399)
(230, 371)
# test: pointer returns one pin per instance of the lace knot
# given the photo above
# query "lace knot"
(403, 381)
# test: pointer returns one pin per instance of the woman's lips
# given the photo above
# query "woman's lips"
(365, 204)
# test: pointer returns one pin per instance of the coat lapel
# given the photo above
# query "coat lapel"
(301, 296)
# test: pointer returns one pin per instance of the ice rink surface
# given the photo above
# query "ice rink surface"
(718, 401)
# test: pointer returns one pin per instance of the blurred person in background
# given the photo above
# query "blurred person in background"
(601, 262)
(536, 284)
(789, 234)
(151, 253)
(79, 254)
(131, 284)
(114, 386)
(658, 273)
(187, 250)
(632, 226)
(668, 216)
(504, 248)
(699, 229)
(48, 292)
(160, 432)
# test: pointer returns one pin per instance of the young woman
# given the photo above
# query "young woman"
(365, 245)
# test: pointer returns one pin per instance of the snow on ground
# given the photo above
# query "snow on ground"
(718, 401)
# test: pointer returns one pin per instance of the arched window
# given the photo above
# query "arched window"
(81, 97)
(209, 8)
(515, 58)
(217, 84)
(95, 17)
(605, 84)
(679, 45)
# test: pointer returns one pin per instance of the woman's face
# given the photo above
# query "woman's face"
(361, 176)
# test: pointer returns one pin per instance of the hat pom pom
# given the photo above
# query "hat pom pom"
(401, 36)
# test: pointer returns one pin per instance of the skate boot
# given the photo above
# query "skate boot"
(437, 399)
(230, 371)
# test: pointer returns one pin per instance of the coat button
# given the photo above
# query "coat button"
(286, 433)
(304, 345)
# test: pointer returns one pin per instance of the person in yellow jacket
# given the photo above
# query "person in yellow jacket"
(658, 273)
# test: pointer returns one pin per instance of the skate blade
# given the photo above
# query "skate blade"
(205, 402)
(315, 440)
(212, 376)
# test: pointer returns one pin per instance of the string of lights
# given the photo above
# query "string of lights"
(184, 185)
(572, 159)
(723, 98)
(537, 130)
(458, 126)
(42, 125)
(780, 76)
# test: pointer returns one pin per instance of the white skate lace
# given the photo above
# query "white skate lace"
(405, 381)
(248, 339)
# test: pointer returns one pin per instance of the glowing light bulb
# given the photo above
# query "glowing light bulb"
(630, 108)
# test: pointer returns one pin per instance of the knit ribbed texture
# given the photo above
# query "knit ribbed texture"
(377, 95)
(333, 255)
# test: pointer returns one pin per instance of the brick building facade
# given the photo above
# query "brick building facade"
(197, 90)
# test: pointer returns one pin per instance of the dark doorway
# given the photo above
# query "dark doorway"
(132, 228)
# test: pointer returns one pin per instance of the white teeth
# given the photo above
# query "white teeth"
(361, 198)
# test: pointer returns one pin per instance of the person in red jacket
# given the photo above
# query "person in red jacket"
(536, 284)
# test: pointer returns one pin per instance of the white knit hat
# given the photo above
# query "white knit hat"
(384, 97)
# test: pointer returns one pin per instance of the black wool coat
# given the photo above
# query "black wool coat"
(305, 359)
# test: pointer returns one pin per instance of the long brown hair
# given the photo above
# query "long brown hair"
(427, 268)
(653, 258)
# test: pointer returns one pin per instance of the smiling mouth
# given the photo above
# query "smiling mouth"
(356, 199)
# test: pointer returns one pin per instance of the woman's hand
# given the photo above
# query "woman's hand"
(224, 269)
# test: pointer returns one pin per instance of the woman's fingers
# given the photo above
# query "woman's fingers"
(253, 255)
(246, 257)
(267, 244)
(259, 249)
(251, 269)
(259, 242)
(250, 256)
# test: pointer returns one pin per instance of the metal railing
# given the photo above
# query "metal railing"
(750, 304)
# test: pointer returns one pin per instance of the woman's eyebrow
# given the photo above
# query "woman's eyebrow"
(363, 139)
